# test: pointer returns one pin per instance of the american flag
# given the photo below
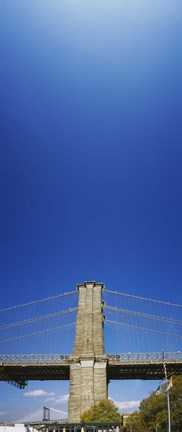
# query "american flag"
(165, 369)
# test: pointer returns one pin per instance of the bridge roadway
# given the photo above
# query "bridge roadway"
(18, 369)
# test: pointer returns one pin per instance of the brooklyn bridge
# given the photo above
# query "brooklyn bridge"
(90, 336)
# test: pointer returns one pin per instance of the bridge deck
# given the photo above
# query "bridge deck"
(145, 371)
(144, 366)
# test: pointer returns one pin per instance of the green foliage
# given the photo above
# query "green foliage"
(153, 411)
(133, 423)
(105, 411)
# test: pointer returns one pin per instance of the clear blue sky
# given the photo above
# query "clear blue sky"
(91, 151)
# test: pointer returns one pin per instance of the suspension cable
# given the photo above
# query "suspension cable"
(143, 315)
(39, 318)
(29, 416)
(143, 328)
(53, 409)
(38, 301)
(36, 333)
(143, 298)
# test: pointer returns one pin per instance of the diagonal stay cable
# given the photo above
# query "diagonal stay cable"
(36, 333)
(39, 318)
(29, 416)
(143, 315)
(143, 298)
(142, 328)
(38, 301)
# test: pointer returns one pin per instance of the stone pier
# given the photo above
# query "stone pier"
(88, 378)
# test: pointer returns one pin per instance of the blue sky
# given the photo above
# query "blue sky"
(91, 154)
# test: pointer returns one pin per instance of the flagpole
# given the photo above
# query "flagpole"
(168, 409)
(167, 392)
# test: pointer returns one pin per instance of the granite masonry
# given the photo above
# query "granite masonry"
(88, 378)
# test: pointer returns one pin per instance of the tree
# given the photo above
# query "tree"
(153, 411)
(176, 404)
(105, 411)
(133, 423)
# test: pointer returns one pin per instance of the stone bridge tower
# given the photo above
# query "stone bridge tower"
(88, 378)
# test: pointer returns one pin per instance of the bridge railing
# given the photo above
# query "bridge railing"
(64, 358)
(148, 356)
(33, 358)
